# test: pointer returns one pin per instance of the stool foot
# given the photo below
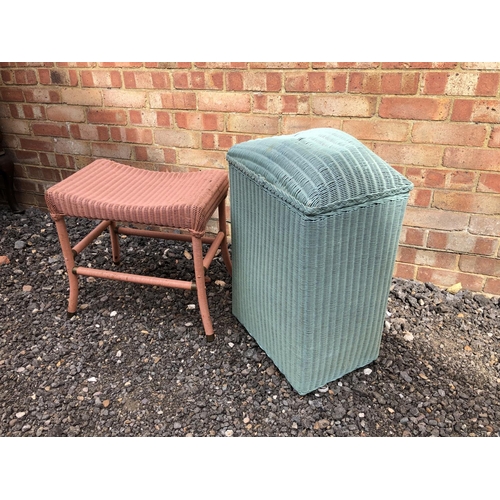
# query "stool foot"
(200, 287)
(69, 315)
(210, 338)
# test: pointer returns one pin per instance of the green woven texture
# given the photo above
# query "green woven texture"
(315, 220)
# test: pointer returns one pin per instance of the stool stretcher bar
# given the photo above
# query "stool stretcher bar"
(134, 278)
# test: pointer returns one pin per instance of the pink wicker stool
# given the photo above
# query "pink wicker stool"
(113, 193)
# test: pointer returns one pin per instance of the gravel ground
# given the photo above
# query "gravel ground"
(134, 362)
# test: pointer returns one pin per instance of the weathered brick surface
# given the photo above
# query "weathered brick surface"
(343, 105)
(414, 108)
(437, 123)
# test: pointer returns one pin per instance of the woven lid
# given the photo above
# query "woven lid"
(318, 170)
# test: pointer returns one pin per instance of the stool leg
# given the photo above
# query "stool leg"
(201, 289)
(115, 245)
(223, 227)
(69, 260)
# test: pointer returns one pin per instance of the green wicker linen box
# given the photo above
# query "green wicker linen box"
(315, 222)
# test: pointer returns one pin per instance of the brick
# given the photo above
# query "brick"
(435, 83)
(163, 119)
(67, 161)
(25, 77)
(98, 78)
(494, 141)
(10, 141)
(54, 76)
(7, 77)
(481, 65)
(413, 236)
(65, 113)
(446, 278)
(383, 83)
(346, 65)
(120, 64)
(123, 98)
(429, 258)
(14, 126)
(50, 129)
(472, 159)
(12, 95)
(461, 84)
(26, 156)
(173, 100)
(281, 104)
(377, 130)
(278, 65)
(226, 102)
(485, 225)
(343, 105)
(489, 183)
(461, 180)
(476, 110)
(198, 80)
(197, 158)
(89, 132)
(146, 80)
(425, 177)
(307, 81)
(480, 265)
(200, 121)
(72, 147)
(418, 65)
(106, 150)
(49, 160)
(461, 242)
(43, 174)
(462, 110)
(492, 286)
(336, 81)
(467, 202)
(435, 219)
(75, 64)
(487, 84)
(109, 116)
(253, 124)
(420, 198)
(5, 110)
(222, 141)
(27, 111)
(37, 144)
(409, 154)
(414, 108)
(153, 154)
(177, 138)
(449, 133)
(405, 271)
(42, 95)
(82, 97)
(144, 117)
(234, 81)
(208, 141)
(129, 134)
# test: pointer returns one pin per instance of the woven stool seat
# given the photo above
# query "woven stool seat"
(113, 192)
(109, 190)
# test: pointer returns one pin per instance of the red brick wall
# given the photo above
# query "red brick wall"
(437, 123)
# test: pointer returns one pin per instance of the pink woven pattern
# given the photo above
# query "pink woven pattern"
(108, 190)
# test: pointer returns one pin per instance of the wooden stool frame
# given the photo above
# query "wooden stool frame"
(201, 263)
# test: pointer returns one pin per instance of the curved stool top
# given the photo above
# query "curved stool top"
(108, 190)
